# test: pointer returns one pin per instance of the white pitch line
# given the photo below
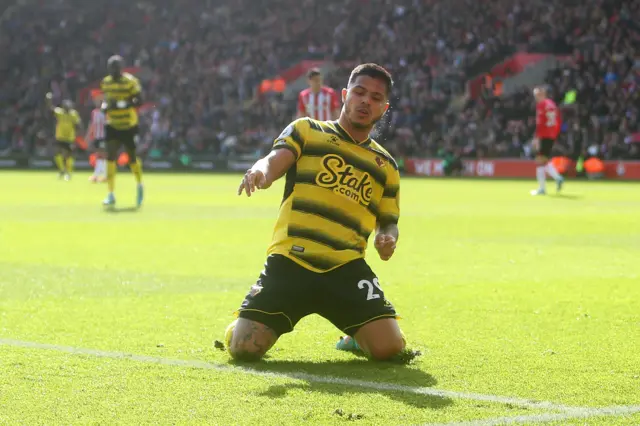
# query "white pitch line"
(578, 413)
(380, 386)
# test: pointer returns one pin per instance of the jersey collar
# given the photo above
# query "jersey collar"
(346, 136)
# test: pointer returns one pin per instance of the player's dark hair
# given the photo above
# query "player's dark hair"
(313, 72)
(115, 64)
(373, 71)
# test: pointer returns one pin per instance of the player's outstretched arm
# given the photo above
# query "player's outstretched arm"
(266, 171)
(386, 239)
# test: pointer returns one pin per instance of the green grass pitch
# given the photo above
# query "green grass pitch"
(510, 298)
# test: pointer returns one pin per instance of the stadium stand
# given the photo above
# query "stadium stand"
(597, 88)
(202, 64)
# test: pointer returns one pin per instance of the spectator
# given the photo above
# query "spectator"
(203, 61)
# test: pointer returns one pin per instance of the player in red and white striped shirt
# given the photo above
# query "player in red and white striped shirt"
(96, 136)
(318, 102)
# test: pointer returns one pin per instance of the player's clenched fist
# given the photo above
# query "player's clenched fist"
(386, 246)
(252, 179)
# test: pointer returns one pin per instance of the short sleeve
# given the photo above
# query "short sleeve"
(292, 137)
(57, 111)
(389, 208)
(135, 86)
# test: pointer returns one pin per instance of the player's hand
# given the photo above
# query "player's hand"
(386, 246)
(535, 143)
(252, 179)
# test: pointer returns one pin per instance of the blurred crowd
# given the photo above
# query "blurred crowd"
(597, 90)
(206, 59)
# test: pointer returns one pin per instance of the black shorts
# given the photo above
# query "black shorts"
(65, 146)
(545, 148)
(348, 296)
(100, 144)
(117, 138)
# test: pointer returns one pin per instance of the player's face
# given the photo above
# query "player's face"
(365, 101)
(315, 82)
(114, 68)
(539, 95)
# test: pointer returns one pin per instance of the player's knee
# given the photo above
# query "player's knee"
(247, 350)
(383, 350)
(243, 353)
(249, 340)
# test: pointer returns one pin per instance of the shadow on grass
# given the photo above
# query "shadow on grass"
(361, 376)
(568, 196)
(115, 210)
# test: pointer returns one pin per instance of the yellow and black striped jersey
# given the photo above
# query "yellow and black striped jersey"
(335, 194)
(66, 123)
(121, 89)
